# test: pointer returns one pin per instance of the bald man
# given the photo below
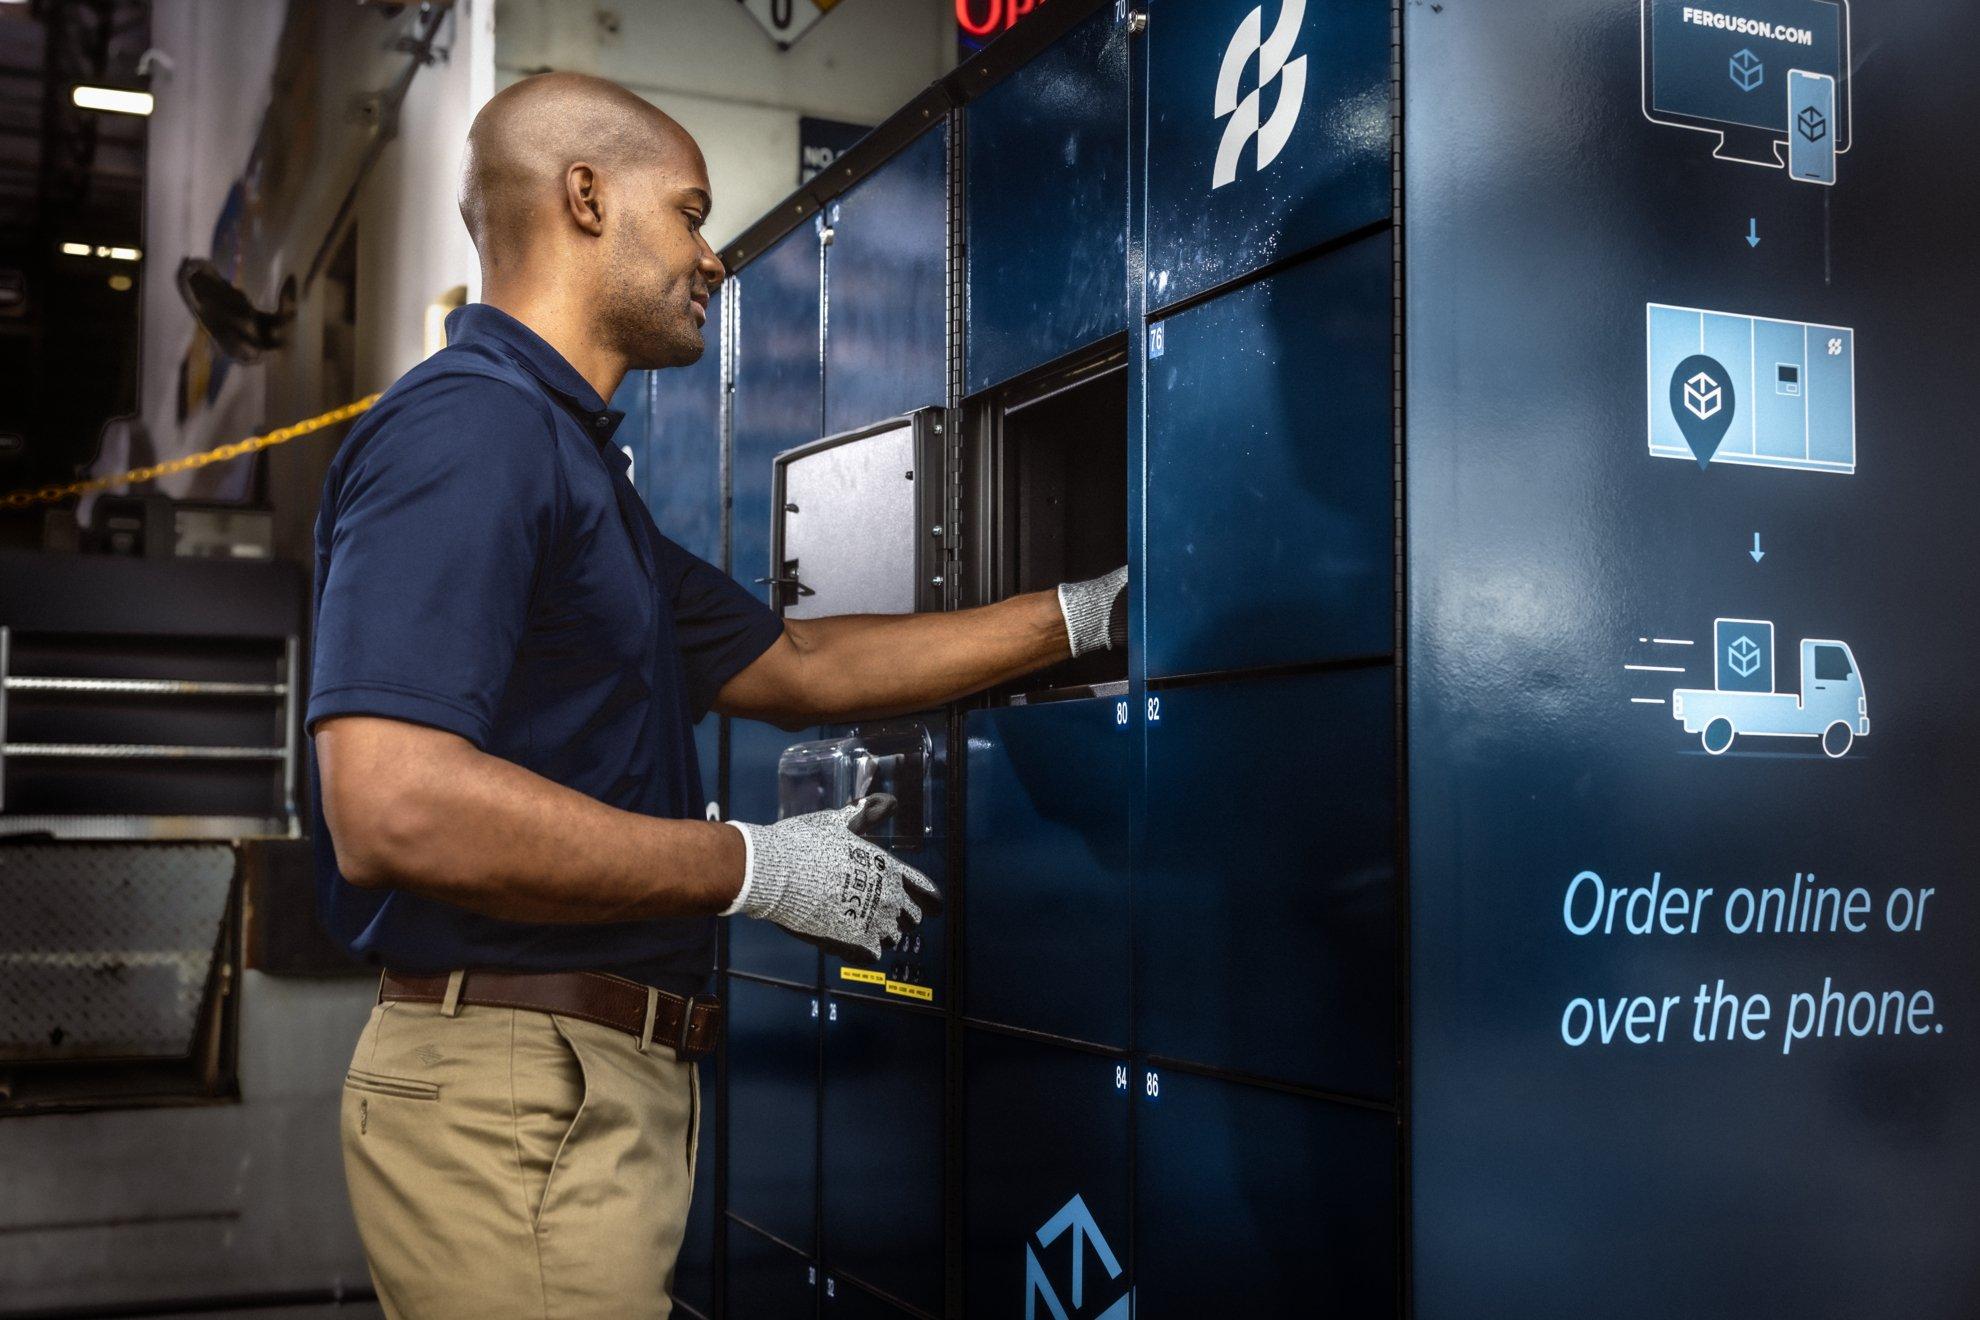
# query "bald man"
(510, 658)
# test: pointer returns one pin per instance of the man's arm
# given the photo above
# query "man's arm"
(424, 811)
(864, 666)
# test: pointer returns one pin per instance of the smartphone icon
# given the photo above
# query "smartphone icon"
(1811, 126)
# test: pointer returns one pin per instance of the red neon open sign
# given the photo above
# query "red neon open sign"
(984, 19)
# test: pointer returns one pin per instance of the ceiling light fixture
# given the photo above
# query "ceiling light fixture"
(73, 249)
(114, 99)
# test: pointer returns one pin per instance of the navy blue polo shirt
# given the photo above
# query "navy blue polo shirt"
(483, 566)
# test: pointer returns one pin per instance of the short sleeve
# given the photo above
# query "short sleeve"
(722, 627)
(435, 532)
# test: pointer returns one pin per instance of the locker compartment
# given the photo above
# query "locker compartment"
(858, 520)
(1265, 904)
(882, 1155)
(762, 948)
(909, 759)
(779, 388)
(846, 1300)
(1045, 1177)
(886, 335)
(1046, 848)
(1223, 202)
(694, 1269)
(1047, 481)
(1250, 1202)
(1046, 205)
(767, 1280)
(773, 1099)
(1270, 495)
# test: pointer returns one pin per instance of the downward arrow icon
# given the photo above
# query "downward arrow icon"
(1757, 553)
(1753, 232)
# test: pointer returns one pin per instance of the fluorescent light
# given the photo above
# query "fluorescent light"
(123, 254)
(72, 249)
(113, 99)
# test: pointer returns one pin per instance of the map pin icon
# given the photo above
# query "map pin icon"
(1702, 401)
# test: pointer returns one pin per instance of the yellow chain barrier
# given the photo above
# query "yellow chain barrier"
(22, 499)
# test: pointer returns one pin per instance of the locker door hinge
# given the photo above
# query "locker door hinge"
(952, 507)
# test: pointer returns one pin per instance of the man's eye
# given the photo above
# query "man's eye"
(694, 222)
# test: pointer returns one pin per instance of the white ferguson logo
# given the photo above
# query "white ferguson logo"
(1244, 126)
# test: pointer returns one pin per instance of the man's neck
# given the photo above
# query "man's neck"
(565, 328)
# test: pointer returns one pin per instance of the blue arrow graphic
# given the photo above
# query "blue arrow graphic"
(1757, 553)
(1753, 232)
(1074, 1215)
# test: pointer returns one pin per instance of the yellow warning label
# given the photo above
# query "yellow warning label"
(925, 993)
(863, 975)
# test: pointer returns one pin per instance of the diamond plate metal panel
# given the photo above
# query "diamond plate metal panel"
(105, 950)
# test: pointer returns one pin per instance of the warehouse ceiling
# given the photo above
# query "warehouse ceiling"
(68, 324)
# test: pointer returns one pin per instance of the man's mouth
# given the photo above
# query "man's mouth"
(700, 301)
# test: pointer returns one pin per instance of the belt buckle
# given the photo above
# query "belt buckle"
(687, 1023)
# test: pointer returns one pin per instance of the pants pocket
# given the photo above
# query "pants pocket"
(403, 1088)
(548, 1090)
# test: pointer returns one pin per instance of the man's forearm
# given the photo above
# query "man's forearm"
(433, 816)
(864, 666)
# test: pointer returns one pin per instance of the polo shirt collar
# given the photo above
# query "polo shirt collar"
(529, 350)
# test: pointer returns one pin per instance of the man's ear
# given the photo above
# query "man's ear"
(581, 197)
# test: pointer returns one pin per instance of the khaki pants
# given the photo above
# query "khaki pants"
(505, 1163)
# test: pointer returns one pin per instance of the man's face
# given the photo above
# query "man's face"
(659, 271)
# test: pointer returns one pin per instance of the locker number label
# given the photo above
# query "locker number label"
(1151, 1085)
(1120, 714)
(1154, 710)
(1120, 1077)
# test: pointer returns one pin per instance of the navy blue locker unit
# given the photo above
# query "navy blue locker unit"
(1265, 900)
(886, 340)
(883, 1148)
(1045, 205)
(680, 474)
(773, 1098)
(779, 387)
(762, 947)
(1253, 1202)
(1045, 834)
(1270, 483)
(1045, 1178)
(767, 1280)
(1242, 174)
(846, 1300)
(917, 969)
(694, 1269)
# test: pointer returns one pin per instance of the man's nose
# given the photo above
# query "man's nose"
(711, 265)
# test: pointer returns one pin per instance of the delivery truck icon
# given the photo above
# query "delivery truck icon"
(1742, 702)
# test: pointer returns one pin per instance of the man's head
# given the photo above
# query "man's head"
(573, 183)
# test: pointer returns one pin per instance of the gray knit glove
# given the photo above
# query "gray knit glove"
(814, 876)
(1096, 612)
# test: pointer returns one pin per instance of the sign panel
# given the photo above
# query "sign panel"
(1694, 1012)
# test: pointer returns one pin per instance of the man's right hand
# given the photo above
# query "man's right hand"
(814, 876)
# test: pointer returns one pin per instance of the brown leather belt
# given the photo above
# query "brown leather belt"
(646, 1013)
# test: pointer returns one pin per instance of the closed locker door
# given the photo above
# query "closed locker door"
(1270, 482)
(1045, 1179)
(773, 1109)
(1261, 1203)
(1269, 130)
(1045, 850)
(882, 1156)
(886, 335)
(779, 388)
(846, 1300)
(1046, 205)
(1265, 898)
(767, 1280)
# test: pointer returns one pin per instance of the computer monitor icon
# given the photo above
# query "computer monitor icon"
(1723, 67)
